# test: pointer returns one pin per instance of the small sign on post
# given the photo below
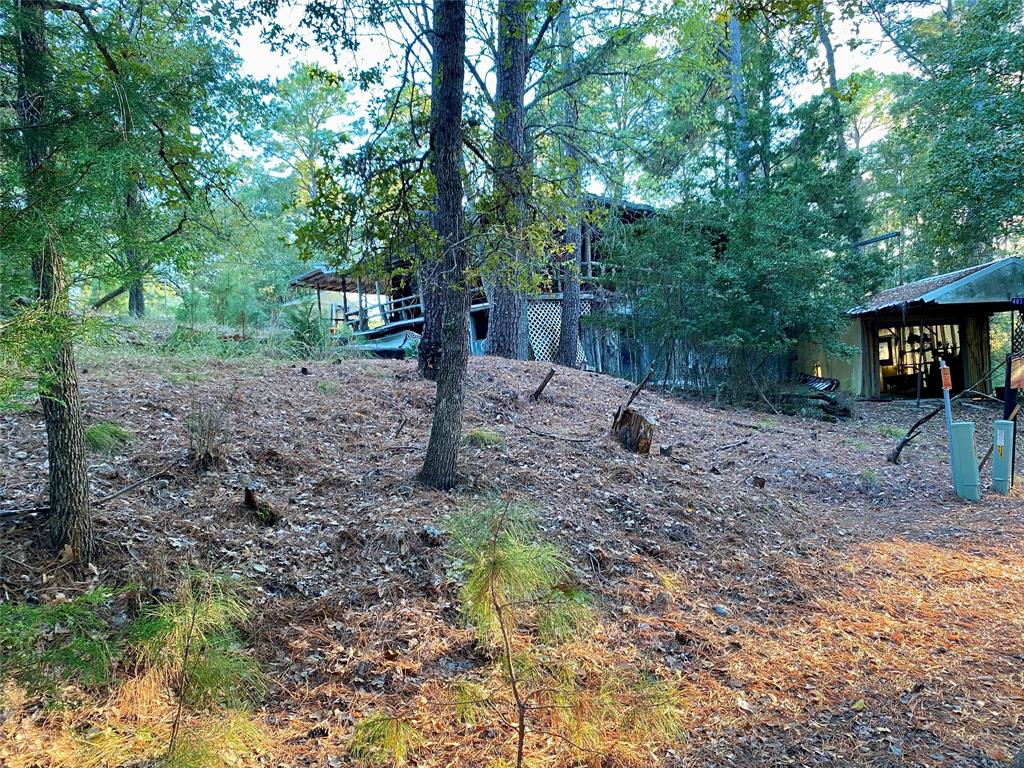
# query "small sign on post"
(947, 378)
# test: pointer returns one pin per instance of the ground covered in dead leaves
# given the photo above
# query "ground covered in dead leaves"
(848, 612)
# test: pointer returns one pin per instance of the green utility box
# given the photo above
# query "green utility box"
(966, 480)
(1002, 456)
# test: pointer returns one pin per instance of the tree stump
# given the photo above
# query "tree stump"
(633, 431)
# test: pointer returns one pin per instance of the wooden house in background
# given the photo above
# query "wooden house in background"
(387, 312)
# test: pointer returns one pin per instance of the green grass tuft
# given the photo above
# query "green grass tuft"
(383, 740)
(888, 430)
(43, 646)
(107, 436)
(482, 437)
(329, 387)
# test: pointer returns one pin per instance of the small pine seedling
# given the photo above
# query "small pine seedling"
(193, 642)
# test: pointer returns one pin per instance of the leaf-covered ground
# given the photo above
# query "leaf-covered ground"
(848, 612)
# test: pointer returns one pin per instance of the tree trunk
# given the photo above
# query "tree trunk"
(440, 466)
(431, 294)
(736, 82)
(136, 298)
(507, 334)
(134, 261)
(833, 82)
(569, 267)
(70, 518)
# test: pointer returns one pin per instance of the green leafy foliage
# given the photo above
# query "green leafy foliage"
(948, 171)
(310, 333)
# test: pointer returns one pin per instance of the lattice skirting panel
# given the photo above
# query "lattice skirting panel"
(545, 317)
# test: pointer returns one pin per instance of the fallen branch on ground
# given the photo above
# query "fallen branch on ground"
(11, 513)
(551, 436)
(915, 429)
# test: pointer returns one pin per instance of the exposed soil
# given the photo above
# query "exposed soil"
(848, 612)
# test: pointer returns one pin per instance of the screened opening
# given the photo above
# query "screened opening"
(908, 358)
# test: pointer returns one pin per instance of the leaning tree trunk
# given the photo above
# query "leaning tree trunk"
(569, 266)
(736, 83)
(507, 334)
(440, 466)
(70, 518)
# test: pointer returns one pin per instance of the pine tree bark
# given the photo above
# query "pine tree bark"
(569, 268)
(70, 516)
(507, 332)
(736, 84)
(440, 466)
(428, 355)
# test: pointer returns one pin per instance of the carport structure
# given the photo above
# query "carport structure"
(905, 331)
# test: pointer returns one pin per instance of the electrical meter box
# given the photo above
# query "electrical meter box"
(966, 480)
(1002, 456)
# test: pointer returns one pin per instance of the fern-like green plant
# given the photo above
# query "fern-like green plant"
(42, 646)
(107, 436)
(383, 740)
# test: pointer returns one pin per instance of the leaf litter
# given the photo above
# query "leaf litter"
(814, 604)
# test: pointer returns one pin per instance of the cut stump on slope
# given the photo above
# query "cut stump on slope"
(633, 430)
(630, 428)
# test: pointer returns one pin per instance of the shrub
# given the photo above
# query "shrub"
(207, 427)
(310, 333)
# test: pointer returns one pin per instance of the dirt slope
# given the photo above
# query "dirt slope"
(850, 612)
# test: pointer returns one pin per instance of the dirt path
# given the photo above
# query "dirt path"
(850, 612)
